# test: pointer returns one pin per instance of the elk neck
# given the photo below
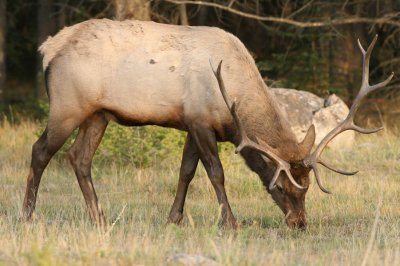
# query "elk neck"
(264, 121)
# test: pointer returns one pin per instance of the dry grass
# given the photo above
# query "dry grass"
(339, 230)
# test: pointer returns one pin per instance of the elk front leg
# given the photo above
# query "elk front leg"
(81, 154)
(190, 159)
(206, 142)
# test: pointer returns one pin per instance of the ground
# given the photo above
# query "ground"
(137, 201)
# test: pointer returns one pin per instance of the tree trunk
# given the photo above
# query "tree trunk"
(346, 56)
(202, 16)
(45, 28)
(3, 27)
(132, 9)
(183, 15)
(354, 57)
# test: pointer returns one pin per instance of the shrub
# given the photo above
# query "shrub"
(147, 145)
(141, 146)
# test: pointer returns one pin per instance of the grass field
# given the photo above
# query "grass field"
(341, 225)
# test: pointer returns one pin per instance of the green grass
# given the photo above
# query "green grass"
(339, 229)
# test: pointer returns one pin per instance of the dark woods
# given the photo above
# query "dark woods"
(309, 45)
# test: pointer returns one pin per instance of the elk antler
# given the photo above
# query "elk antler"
(348, 123)
(246, 142)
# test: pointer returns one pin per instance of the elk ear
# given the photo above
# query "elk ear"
(308, 141)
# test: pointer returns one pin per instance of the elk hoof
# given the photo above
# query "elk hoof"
(175, 218)
(98, 219)
(24, 219)
(232, 224)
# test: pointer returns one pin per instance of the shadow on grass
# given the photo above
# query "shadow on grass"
(263, 222)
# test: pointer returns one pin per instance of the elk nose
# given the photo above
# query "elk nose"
(302, 225)
(297, 223)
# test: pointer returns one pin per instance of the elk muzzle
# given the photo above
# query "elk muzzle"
(297, 220)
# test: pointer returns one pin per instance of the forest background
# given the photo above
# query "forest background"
(307, 45)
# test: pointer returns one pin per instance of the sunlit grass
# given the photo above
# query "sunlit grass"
(339, 224)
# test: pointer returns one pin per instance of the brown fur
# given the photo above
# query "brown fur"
(140, 73)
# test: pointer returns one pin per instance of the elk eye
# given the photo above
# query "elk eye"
(279, 188)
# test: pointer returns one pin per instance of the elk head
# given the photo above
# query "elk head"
(289, 181)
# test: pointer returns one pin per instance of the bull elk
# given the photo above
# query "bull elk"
(145, 73)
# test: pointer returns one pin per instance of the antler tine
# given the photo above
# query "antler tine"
(348, 122)
(281, 164)
(365, 130)
(285, 169)
(232, 108)
(317, 177)
(247, 142)
(222, 85)
(335, 169)
(366, 57)
(365, 87)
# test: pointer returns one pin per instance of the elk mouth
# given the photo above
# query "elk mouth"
(296, 221)
(292, 207)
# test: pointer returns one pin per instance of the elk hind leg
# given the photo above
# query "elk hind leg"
(53, 137)
(81, 153)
